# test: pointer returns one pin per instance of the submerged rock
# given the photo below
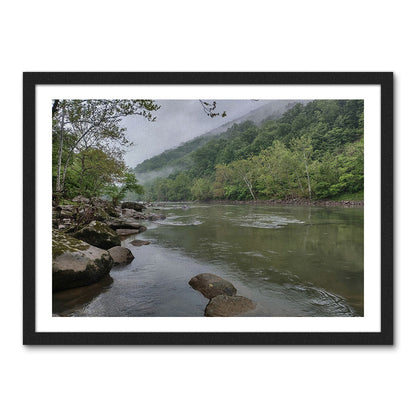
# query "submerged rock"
(211, 285)
(99, 235)
(76, 263)
(156, 217)
(121, 255)
(139, 243)
(223, 305)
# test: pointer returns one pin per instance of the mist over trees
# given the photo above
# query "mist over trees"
(313, 151)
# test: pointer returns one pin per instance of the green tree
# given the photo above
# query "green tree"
(96, 169)
(79, 125)
(202, 189)
(180, 188)
(276, 170)
(303, 150)
(128, 183)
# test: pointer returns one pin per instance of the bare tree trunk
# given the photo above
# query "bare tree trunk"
(61, 142)
(81, 179)
(250, 188)
(300, 184)
(64, 172)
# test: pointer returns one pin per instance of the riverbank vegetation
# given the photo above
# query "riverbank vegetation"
(88, 145)
(313, 151)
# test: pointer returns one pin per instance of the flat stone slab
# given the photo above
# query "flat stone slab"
(223, 305)
(124, 232)
(126, 225)
(139, 243)
(211, 285)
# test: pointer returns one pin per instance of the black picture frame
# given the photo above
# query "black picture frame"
(32, 337)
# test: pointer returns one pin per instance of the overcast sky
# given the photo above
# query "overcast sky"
(177, 121)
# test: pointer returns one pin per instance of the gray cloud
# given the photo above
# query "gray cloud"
(177, 121)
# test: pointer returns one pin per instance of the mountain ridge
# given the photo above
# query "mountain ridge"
(168, 161)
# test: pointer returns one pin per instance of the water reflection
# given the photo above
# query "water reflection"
(72, 300)
(304, 251)
(292, 261)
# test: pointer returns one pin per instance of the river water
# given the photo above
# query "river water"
(291, 260)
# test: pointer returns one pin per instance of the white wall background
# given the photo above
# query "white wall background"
(206, 36)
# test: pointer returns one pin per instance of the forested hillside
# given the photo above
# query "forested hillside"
(313, 151)
(178, 158)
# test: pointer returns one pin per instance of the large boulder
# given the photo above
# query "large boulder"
(106, 206)
(137, 206)
(99, 235)
(211, 285)
(132, 213)
(76, 263)
(223, 305)
(121, 255)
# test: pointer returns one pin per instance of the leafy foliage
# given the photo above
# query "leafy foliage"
(88, 143)
(313, 151)
(117, 192)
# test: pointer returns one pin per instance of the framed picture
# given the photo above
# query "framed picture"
(208, 208)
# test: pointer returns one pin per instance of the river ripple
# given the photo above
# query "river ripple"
(292, 261)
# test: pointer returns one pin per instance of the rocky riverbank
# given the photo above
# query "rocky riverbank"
(86, 244)
(86, 239)
(292, 202)
(295, 201)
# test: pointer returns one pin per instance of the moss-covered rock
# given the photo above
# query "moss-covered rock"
(76, 263)
(100, 214)
(99, 235)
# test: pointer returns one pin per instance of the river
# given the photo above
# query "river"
(291, 260)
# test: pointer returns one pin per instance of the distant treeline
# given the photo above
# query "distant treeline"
(314, 151)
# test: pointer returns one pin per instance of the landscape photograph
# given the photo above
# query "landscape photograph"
(207, 208)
